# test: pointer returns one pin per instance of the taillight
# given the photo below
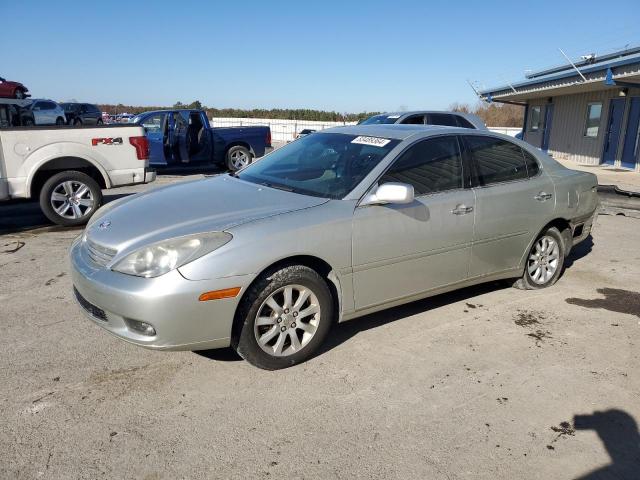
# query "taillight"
(268, 139)
(141, 145)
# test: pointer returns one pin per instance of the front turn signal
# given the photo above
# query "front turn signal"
(220, 294)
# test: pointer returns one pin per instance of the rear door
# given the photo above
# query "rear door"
(514, 200)
(403, 250)
(155, 127)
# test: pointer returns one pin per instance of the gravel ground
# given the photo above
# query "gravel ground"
(485, 383)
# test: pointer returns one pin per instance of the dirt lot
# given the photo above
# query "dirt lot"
(485, 383)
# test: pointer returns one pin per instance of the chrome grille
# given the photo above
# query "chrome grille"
(99, 254)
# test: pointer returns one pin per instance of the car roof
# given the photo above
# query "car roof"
(474, 119)
(391, 130)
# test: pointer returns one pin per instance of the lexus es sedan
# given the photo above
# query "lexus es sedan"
(336, 225)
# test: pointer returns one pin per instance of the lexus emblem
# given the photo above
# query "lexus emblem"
(104, 225)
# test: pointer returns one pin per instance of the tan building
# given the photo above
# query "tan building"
(587, 111)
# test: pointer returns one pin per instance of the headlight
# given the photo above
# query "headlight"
(162, 257)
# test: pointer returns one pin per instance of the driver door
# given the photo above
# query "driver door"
(404, 250)
(155, 128)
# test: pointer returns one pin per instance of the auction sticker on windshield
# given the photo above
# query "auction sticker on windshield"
(373, 141)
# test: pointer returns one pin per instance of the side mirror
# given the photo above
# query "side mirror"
(392, 192)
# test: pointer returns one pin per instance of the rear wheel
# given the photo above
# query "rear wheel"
(283, 318)
(544, 261)
(59, 121)
(238, 157)
(70, 198)
(19, 94)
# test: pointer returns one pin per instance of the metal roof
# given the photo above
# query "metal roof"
(627, 62)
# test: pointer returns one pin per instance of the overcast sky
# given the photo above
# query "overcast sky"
(332, 55)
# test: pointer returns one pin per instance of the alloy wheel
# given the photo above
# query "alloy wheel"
(239, 159)
(72, 199)
(287, 320)
(543, 260)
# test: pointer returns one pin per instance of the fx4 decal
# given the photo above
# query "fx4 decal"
(106, 141)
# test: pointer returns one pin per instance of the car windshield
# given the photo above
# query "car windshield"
(327, 165)
(380, 119)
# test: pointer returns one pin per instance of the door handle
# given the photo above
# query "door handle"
(462, 210)
(543, 196)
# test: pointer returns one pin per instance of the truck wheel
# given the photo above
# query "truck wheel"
(238, 157)
(70, 198)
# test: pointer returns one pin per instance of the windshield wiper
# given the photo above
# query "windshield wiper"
(277, 186)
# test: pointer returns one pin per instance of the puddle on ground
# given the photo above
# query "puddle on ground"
(615, 300)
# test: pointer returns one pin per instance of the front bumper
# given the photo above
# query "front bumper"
(169, 303)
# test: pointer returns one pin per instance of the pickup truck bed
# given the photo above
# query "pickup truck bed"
(66, 168)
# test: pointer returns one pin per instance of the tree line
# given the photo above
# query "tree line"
(493, 114)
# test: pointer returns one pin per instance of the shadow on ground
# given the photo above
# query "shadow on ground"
(618, 432)
(342, 332)
(24, 215)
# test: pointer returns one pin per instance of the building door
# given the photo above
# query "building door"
(548, 123)
(630, 149)
(612, 135)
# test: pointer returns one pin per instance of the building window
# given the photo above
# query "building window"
(535, 119)
(594, 111)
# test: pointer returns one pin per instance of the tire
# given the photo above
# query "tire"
(280, 326)
(99, 122)
(238, 157)
(19, 94)
(77, 122)
(84, 203)
(542, 271)
(60, 121)
(28, 122)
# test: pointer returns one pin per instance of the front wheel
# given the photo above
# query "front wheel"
(544, 261)
(19, 94)
(238, 157)
(70, 198)
(283, 318)
(59, 121)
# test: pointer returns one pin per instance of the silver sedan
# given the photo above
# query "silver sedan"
(336, 225)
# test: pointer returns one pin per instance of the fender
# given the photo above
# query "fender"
(34, 161)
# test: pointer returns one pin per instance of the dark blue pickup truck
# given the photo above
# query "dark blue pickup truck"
(184, 137)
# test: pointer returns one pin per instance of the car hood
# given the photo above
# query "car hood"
(208, 205)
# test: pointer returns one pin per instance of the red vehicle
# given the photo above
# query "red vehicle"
(10, 89)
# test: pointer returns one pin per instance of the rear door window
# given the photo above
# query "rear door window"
(413, 120)
(532, 164)
(432, 165)
(445, 119)
(495, 160)
(463, 122)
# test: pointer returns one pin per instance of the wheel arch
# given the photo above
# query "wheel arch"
(319, 265)
(564, 227)
(53, 166)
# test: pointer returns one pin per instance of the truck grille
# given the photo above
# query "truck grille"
(99, 254)
(94, 311)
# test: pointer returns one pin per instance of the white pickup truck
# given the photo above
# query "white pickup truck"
(66, 168)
